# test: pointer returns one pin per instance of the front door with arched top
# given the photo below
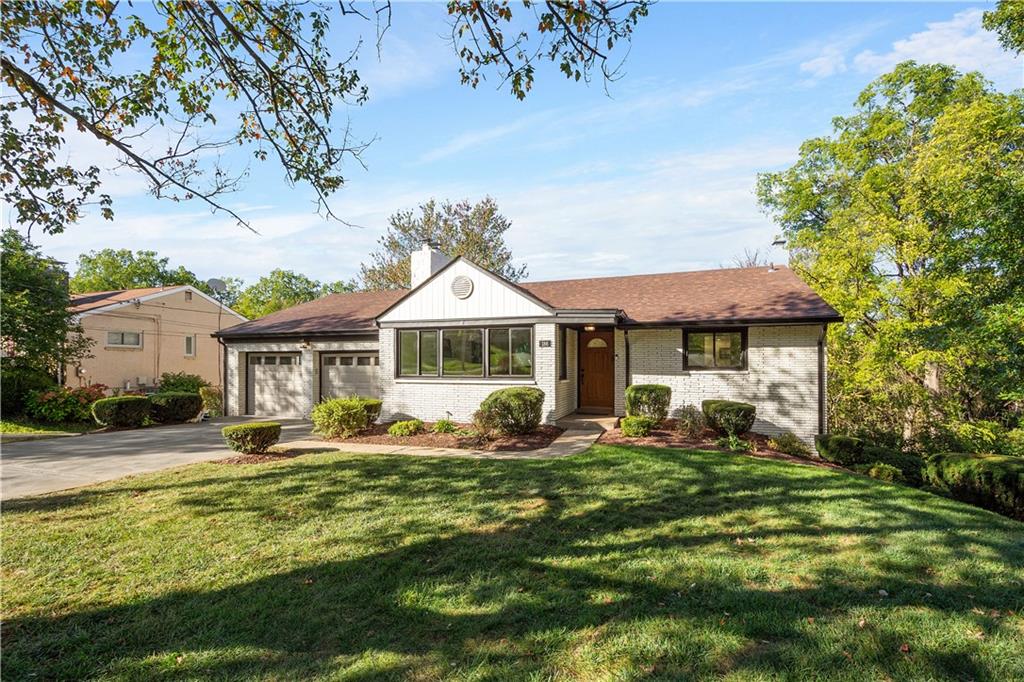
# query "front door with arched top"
(597, 371)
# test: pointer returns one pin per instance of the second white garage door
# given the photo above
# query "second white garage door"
(348, 374)
(275, 387)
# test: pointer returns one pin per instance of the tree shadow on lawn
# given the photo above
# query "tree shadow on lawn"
(644, 562)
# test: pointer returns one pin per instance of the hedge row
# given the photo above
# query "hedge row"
(133, 410)
(993, 482)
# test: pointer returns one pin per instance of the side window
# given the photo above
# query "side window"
(190, 345)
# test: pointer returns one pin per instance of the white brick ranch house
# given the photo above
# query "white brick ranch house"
(437, 349)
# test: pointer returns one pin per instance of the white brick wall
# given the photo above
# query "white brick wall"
(431, 399)
(781, 378)
(565, 389)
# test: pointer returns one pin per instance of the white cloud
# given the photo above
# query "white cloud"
(831, 62)
(960, 41)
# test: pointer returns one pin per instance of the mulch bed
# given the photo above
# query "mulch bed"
(272, 456)
(542, 437)
(666, 436)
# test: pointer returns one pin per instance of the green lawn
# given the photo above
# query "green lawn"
(622, 563)
(25, 425)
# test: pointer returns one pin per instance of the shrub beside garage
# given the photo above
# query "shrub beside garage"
(176, 407)
(254, 438)
(122, 411)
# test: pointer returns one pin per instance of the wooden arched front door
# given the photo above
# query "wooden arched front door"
(597, 371)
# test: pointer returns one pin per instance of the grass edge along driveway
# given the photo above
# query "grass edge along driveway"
(625, 563)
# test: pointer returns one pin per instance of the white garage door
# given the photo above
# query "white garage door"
(275, 386)
(348, 374)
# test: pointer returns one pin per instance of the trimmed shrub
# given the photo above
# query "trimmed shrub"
(64, 404)
(994, 482)
(909, 465)
(844, 450)
(728, 416)
(881, 471)
(789, 444)
(372, 407)
(483, 422)
(18, 383)
(638, 426)
(181, 382)
(254, 438)
(213, 400)
(122, 410)
(171, 408)
(648, 400)
(340, 417)
(409, 427)
(444, 426)
(512, 411)
(690, 421)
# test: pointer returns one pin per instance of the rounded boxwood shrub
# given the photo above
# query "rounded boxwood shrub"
(122, 411)
(343, 417)
(512, 411)
(409, 427)
(844, 450)
(649, 400)
(994, 482)
(253, 438)
(638, 426)
(790, 444)
(729, 416)
(881, 471)
(176, 406)
(372, 407)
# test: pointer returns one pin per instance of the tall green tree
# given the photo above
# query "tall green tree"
(163, 71)
(37, 329)
(110, 269)
(475, 231)
(283, 289)
(1007, 20)
(908, 219)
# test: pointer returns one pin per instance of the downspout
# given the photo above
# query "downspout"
(629, 378)
(821, 380)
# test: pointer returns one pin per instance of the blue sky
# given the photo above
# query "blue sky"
(655, 175)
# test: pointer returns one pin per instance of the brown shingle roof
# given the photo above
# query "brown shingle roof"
(81, 303)
(334, 313)
(705, 296)
(702, 297)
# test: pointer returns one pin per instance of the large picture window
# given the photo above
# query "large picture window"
(718, 349)
(491, 352)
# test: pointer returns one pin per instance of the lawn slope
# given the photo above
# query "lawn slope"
(622, 563)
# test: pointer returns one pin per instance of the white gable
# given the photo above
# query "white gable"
(490, 297)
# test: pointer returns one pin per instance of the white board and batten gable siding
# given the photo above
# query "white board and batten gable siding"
(490, 298)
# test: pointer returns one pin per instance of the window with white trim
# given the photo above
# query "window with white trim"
(125, 339)
(473, 352)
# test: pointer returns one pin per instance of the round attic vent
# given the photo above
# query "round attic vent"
(462, 286)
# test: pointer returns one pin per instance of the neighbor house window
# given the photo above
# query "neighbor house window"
(725, 349)
(190, 346)
(494, 352)
(126, 339)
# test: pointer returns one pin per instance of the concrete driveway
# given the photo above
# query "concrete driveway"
(33, 467)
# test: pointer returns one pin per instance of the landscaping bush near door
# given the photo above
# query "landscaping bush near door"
(648, 400)
(638, 426)
(170, 408)
(994, 482)
(728, 416)
(122, 411)
(254, 438)
(344, 417)
(511, 411)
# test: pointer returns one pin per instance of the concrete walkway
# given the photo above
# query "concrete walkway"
(42, 466)
(580, 433)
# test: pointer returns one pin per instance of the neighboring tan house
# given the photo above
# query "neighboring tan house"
(138, 334)
(438, 349)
